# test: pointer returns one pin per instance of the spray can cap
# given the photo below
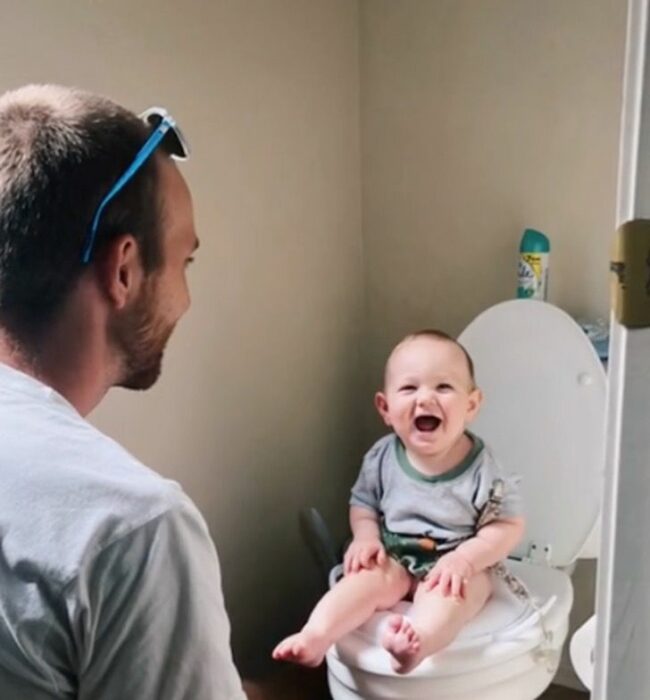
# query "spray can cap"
(534, 242)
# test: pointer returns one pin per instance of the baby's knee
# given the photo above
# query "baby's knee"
(387, 575)
(481, 584)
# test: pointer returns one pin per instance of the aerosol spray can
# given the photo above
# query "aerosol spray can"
(532, 269)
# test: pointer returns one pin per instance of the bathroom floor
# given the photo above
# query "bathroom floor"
(305, 684)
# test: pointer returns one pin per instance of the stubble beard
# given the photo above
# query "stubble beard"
(140, 336)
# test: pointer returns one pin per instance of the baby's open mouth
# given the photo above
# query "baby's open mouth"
(427, 424)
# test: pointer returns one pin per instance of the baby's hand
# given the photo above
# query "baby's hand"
(450, 575)
(363, 554)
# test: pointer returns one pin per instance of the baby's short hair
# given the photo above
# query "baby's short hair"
(441, 335)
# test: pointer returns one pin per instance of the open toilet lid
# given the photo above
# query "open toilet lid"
(543, 416)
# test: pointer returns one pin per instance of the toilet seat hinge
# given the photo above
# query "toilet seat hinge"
(538, 554)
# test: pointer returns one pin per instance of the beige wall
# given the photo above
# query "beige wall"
(480, 118)
(260, 383)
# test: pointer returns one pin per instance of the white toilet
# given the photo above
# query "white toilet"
(543, 416)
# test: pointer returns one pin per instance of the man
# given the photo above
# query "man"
(109, 582)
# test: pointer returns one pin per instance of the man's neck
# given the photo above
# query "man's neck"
(73, 361)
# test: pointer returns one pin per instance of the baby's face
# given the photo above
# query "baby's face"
(429, 397)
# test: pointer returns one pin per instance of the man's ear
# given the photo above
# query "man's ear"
(381, 404)
(120, 270)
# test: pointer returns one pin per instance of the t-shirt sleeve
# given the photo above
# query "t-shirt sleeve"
(491, 472)
(366, 491)
(149, 619)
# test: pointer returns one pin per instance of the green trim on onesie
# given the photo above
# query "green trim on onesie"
(410, 470)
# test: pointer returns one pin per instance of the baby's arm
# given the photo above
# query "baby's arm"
(366, 548)
(491, 544)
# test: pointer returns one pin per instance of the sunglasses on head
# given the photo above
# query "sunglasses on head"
(164, 128)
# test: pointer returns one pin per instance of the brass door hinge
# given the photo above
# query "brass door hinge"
(630, 266)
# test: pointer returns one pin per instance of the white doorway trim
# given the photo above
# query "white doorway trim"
(622, 668)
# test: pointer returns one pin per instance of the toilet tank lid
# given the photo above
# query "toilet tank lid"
(543, 416)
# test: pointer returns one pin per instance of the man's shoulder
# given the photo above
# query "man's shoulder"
(117, 475)
(126, 490)
(69, 490)
(120, 493)
(96, 470)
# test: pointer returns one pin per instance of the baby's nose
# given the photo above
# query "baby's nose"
(426, 396)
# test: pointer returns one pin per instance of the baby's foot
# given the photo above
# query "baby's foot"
(402, 642)
(305, 648)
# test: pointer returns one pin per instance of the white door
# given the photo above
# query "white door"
(622, 670)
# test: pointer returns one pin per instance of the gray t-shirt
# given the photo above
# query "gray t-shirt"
(444, 508)
(109, 582)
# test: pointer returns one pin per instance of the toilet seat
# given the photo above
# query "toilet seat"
(495, 657)
(504, 629)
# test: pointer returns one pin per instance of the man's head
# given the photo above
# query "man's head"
(61, 152)
(429, 395)
(140, 330)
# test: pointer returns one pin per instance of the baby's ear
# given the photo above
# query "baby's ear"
(381, 404)
(474, 403)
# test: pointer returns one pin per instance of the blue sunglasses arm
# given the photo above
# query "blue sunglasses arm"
(142, 155)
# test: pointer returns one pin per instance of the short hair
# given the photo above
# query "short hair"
(61, 150)
(441, 335)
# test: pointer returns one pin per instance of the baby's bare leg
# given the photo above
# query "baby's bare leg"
(346, 606)
(433, 623)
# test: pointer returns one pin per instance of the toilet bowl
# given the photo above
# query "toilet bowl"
(543, 417)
